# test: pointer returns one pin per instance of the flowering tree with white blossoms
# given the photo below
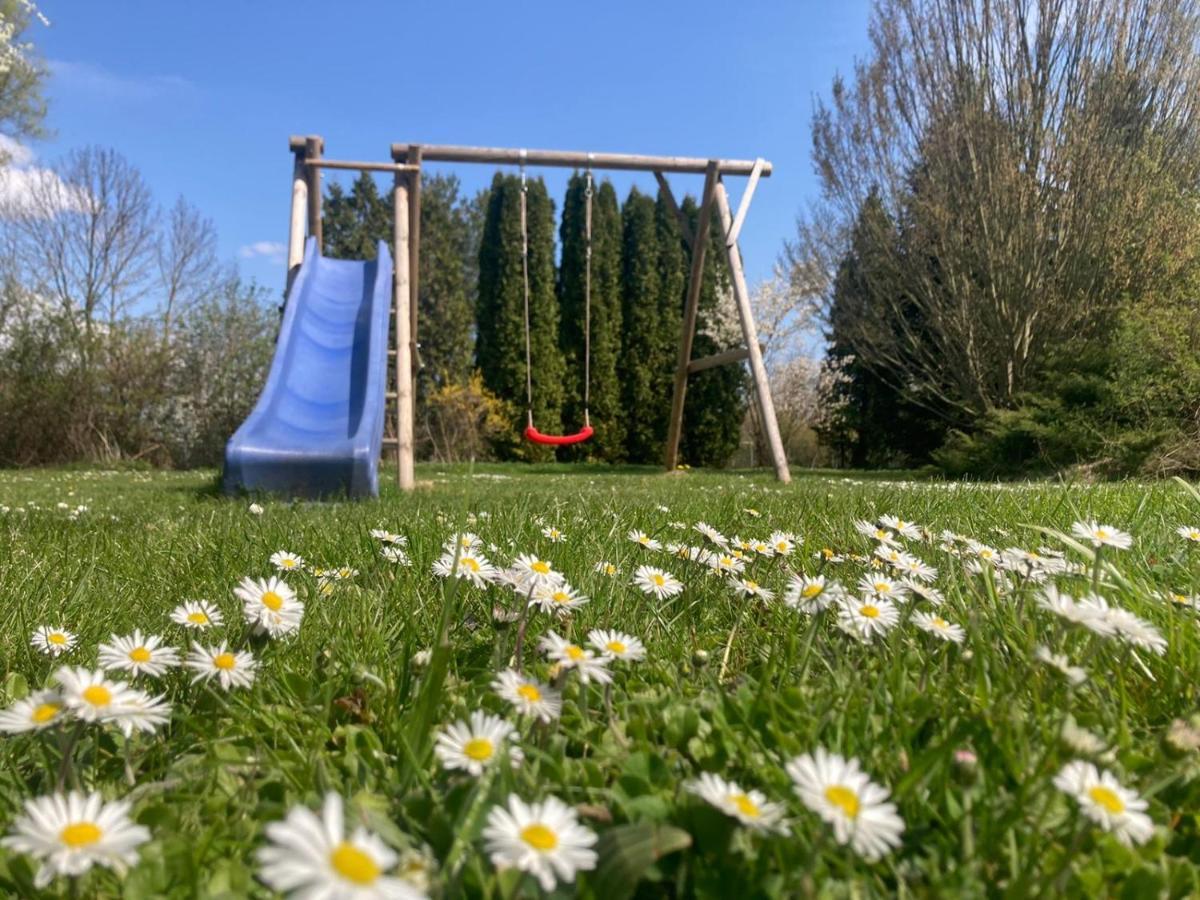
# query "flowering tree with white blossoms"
(21, 72)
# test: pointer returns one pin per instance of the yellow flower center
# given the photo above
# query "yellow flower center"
(745, 805)
(530, 693)
(811, 590)
(80, 834)
(479, 749)
(882, 587)
(224, 661)
(1101, 534)
(574, 652)
(288, 563)
(197, 618)
(827, 553)
(539, 837)
(542, 568)
(751, 585)
(97, 695)
(139, 655)
(781, 546)
(870, 612)
(644, 539)
(560, 597)
(615, 647)
(939, 622)
(57, 638)
(610, 570)
(44, 712)
(469, 562)
(353, 864)
(658, 580)
(1107, 798)
(844, 799)
(272, 601)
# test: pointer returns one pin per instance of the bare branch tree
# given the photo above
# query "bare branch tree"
(186, 261)
(87, 238)
(1017, 148)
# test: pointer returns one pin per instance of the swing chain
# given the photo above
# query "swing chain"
(525, 284)
(587, 298)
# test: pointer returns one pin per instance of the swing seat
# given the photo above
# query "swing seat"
(558, 440)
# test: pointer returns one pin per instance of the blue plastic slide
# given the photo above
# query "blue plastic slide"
(318, 425)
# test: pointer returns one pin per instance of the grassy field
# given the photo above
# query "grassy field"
(969, 739)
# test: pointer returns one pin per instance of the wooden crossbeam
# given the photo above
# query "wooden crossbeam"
(718, 359)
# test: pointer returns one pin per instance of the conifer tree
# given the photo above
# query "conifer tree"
(352, 223)
(716, 398)
(445, 313)
(500, 340)
(609, 440)
(641, 317)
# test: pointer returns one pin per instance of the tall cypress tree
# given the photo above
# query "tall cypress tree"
(500, 342)
(445, 313)
(608, 443)
(716, 399)
(641, 318)
(353, 223)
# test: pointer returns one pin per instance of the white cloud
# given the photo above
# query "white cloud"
(26, 187)
(272, 251)
(110, 86)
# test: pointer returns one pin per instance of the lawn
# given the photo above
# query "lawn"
(983, 746)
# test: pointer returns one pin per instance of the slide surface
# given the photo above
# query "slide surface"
(317, 428)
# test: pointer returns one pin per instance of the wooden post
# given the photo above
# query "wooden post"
(758, 371)
(299, 213)
(414, 258)
(401, 301)
(313, 146)
(690, 311)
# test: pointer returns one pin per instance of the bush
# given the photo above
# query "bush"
(467, 422)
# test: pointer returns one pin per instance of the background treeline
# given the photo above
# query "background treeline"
(471, 387)
(1011, 229)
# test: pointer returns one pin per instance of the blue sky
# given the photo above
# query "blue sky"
(202, 96)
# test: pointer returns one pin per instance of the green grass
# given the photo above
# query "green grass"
(341, 707)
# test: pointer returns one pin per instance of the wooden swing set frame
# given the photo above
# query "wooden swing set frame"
(404, 353)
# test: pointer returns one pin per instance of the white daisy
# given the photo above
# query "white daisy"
(37, 711)
(571, 656)
(92, 697)
(473, 567)
(553, 535)
(748, 587)
(477, 743)
(1102, 535)
(464, 542)
(70, 834)
(394, 553)
(712, 534)
(875, 532)
(255, 509)
(784, 543)
(229, 668)
(1136, 630)
(644, 540)
(1103, 800)
(311, 856)
(1090, 615)
(198, 614)
(844, 796)
(617, 645)
(53, 641)
(544, 839)
(937, 625)
(530, 571)
(751, 808)
(287, 562)
(604, 567)
(1189, 533)
(270, 605)
(1061, 664)
(657, 582)
(867, 617)
(528, 695)
(810, 595)
(879, 586)
(389, 537)
(136, 654)
(558, 598)
(141, 712)
(725, 563)
(898, 525)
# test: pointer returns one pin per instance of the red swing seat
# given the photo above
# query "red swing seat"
(558, 440)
